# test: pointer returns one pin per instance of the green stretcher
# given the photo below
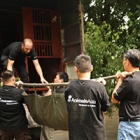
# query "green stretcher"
(49, 110)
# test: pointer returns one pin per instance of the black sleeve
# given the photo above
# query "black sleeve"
(122, 91)
(33, 54)
(13, 54)
(13, 50)
(20, 92)
(105, 104)
(66, 93)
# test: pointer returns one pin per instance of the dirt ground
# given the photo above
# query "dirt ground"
(111, 125)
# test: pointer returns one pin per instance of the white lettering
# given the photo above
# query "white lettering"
(9, 102)
(82, 102)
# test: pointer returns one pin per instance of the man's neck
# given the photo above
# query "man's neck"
(133, 69)
(84, 76)
(8, 84)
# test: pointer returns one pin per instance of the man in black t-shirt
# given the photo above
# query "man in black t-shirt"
(13, 122)
(127, 92)
(15, 54)
(86, 102)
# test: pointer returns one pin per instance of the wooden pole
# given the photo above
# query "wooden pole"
(66, 83)
(114, 76)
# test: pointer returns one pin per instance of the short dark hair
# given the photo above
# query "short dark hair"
(63, 75)
(83, 63)
(133, 55)
(6, 75)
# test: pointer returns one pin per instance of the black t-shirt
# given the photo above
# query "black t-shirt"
(60, 89)
(13, 52)
(86, 100)
(129, 96)
(12, 113)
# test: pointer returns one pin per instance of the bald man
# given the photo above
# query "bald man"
(14, 56)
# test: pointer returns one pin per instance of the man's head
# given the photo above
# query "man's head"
(27, 46)
(8, 77)
(83, 63)
(131, 58)
(61, 77)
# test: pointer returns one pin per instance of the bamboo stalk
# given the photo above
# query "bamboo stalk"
(114, 76)
(66, 83)
(43, 85)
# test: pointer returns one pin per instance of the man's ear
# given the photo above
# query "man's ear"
(75, 68)
(62, 80)
(13, 79)
(128, 63)
(91, 68)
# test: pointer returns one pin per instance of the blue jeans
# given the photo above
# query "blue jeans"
(129, 131)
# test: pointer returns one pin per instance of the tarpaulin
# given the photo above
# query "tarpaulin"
(50, 110)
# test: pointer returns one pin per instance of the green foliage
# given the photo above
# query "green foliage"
(106, 55)
(111, 11)
(123, 17)
(101, 46)
(111, 28)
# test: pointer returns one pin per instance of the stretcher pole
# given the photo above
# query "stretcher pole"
(66, 83)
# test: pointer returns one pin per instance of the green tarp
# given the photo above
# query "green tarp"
(50, 110)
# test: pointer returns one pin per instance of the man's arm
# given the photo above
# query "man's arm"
(10, 64)
(121, 77)
(39, 71)
(113, 100)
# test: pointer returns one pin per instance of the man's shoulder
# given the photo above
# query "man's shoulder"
(135, 77)
(15, 43)
(33, 54)
(17, 92)
(14, 46)
(13, 88)
(73, 82)
(18, 89)
(91, 83)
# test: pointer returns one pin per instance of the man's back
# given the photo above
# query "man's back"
(129, 95)
(15, 46)
(12, 114)
(86, 100)
(127, 92)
